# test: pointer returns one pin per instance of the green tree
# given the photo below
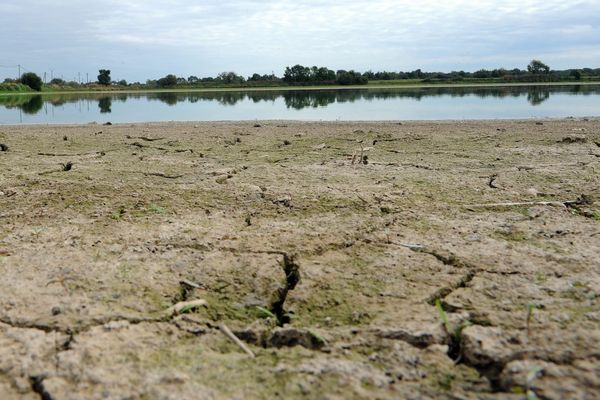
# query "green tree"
(538, 67)
(296, 74)
(167, 81)
(350, 78)
(104, 77)
(230, 77)
(32, 80)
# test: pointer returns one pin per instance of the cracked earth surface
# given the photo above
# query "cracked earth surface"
(355, 260)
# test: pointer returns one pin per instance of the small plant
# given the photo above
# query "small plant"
(320, 339)
(187, 309)
(118, 215)
(532, 375)
(454, 348)
(265, 313)
(443, 315)
(530, 308)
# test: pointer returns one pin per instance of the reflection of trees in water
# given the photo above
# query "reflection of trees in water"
(538, 96)
(303, 99)
(167, 97)
(32, 106)
(105, 103)
(297, 99)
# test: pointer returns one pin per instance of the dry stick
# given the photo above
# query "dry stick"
(236, 340)
(412, 246)
(523, 203)
(71, 155)
(177, 308)
(162, 175)
(191, 284)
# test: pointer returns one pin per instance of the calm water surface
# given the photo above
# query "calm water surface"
(326, 105)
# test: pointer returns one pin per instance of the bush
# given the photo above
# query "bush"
(32, 80)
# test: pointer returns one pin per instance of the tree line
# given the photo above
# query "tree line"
(299, 75)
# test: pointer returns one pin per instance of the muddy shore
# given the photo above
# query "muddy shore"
(354, 260)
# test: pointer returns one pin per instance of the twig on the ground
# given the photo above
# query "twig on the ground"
(521, 203)
(412, 246)
(160, 174)
(191, 284)
(71, 155)
(185, 306)
(361, 199)
(491, 180)
(141, 146)
(223, 328)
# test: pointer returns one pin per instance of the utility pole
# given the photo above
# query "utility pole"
(79, 77)
(18, 77)
(44, 78)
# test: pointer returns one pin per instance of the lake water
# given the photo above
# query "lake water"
(326, 105)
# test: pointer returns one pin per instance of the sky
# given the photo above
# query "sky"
(148, 39)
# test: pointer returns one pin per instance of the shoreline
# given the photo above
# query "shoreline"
(133, 124)
(307, 88)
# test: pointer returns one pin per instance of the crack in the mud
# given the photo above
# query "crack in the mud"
(81, 329)
(292, 276)
(453, 261)
(37, 385)
(443, 292)
(291, 269)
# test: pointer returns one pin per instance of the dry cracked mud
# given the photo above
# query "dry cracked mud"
(456, 260)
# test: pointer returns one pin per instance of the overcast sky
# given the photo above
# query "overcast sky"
(138, 39)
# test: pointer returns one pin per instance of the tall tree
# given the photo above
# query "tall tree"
(538, 67)
(104, 77)
(32, 80)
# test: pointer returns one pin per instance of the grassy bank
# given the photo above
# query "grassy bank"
(11, 89)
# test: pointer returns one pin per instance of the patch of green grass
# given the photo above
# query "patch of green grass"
(155, 209)
(118, 215)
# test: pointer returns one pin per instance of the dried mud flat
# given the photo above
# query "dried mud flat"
(390, 279)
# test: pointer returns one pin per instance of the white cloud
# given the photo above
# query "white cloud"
(153, 37)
